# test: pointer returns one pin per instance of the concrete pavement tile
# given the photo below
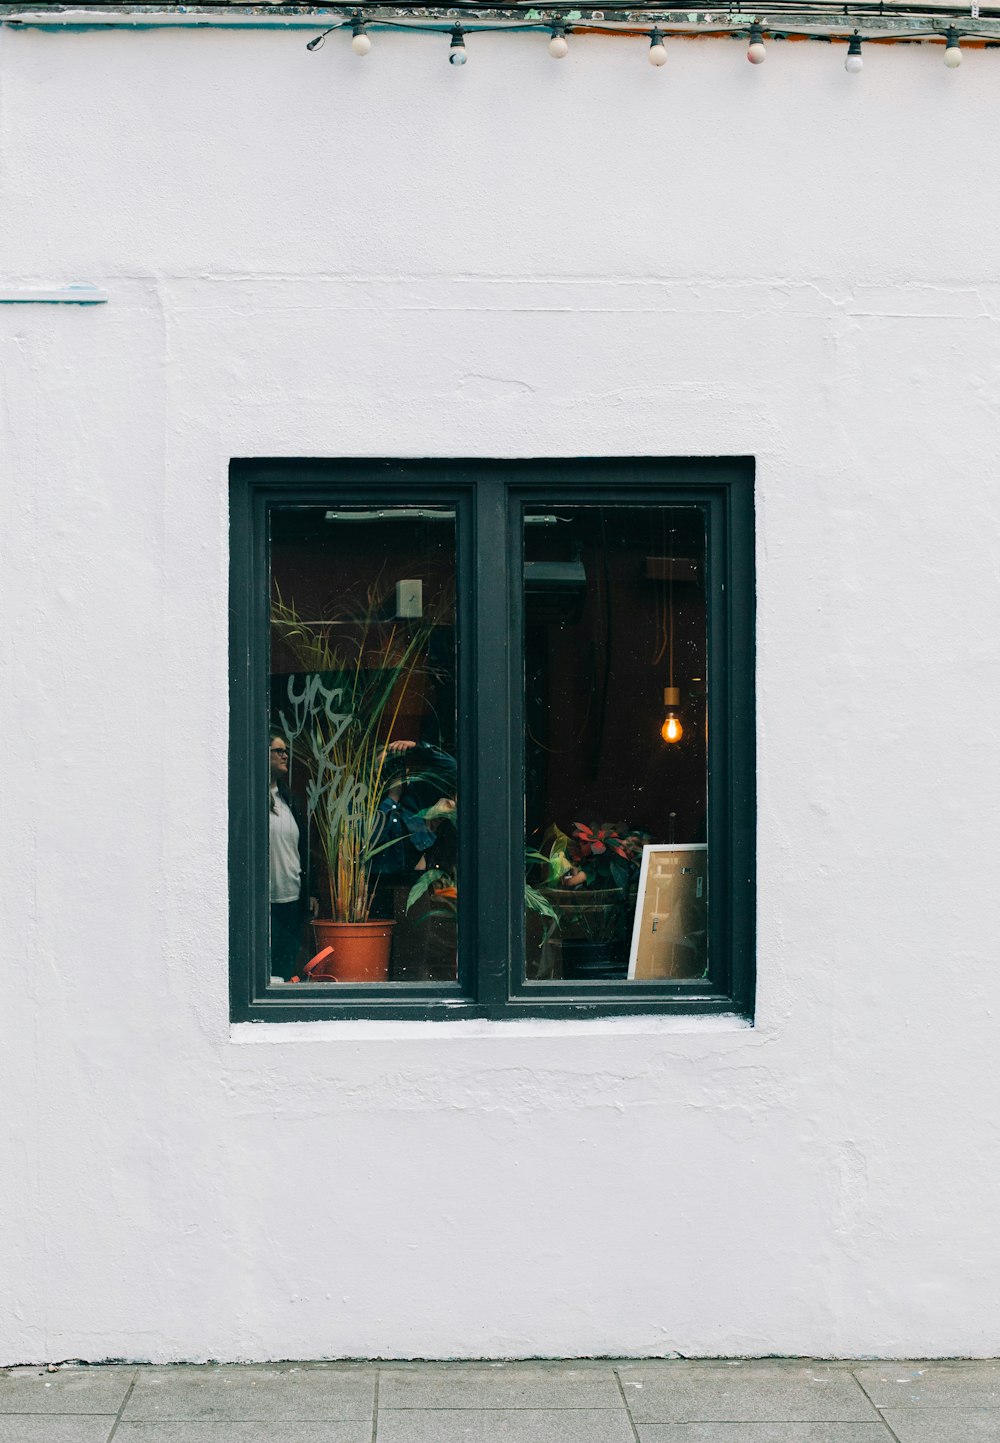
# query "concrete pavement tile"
(206, 1430)
(743, 1392)
(54, 1428)
(500, 1385)
(764, 1433)
(968, 1386)
(70, 1390)
(503, 1425)
(929, 1425)
(335, 1392)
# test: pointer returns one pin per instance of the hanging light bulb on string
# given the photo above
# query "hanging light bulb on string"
(456, 54)
(855, 60)
(657, 49)
(360, 42)
(952, 49)
(671, 730)
(559, 45)
(756, 53)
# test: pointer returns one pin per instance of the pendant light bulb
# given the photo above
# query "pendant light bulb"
(657, 49)
(671, 730)
(360, 43)
(559, 45)
(457, 55)
(756, 53)
(855, 60)
(952, 49)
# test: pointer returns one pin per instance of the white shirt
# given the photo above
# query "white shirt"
(283, 853)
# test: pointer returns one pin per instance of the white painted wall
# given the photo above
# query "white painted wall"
(316, 255)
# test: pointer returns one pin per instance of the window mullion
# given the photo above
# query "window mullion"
(492, 711)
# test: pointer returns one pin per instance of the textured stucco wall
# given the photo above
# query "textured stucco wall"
(316, 255)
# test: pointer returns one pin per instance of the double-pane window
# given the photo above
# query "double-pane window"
(492, 745)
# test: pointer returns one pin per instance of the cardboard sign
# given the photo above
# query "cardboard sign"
(670, 929)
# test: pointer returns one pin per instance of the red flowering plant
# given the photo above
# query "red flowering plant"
(598, 854)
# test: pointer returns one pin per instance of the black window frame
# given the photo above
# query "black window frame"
(489, 496)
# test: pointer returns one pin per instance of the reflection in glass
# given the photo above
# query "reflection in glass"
(615, 757)
(362, 690)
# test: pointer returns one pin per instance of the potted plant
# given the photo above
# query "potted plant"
(435, 893)
(344, 715)
(592, 875)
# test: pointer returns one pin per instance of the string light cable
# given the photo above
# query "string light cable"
(815, 20)
(859, 25)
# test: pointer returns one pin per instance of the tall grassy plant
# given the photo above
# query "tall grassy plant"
(346, 712)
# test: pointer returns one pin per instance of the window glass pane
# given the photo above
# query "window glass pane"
(362, 746)
(615, 756)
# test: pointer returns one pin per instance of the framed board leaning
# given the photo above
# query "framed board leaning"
(670, 930)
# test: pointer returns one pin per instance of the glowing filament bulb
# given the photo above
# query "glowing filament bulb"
(671, 730)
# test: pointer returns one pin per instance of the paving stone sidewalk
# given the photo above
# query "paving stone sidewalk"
(630, 1401)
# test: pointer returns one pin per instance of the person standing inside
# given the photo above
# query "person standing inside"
(288, 865)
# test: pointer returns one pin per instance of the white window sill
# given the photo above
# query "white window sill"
(366, 1030)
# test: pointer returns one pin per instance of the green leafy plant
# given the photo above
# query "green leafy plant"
(594, 854)
(590, 876)
(345, 711)
(443, 887)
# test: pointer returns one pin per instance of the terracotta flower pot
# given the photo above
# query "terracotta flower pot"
(359, 951)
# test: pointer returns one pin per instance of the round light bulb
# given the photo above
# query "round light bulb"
(952, 51)
(756, 54)
(361, 43)
(457, 55)
(855, 60)
(657, 49)
(671, 730)
(558, 47)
